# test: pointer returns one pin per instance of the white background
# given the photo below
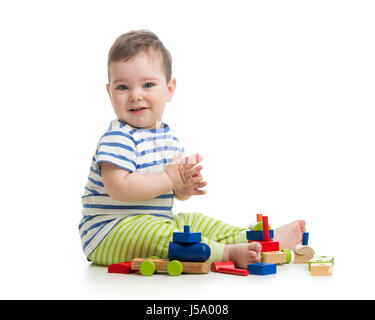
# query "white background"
(278, 96)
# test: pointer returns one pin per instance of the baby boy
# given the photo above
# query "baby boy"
(138, 169)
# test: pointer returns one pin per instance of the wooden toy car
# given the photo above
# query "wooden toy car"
(148, 266)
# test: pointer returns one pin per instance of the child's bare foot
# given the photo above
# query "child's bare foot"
(291, 234)
(242, 253)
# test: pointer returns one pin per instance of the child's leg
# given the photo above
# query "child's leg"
(135, 237)
(214, 230)
(230, 243)
(147, 235)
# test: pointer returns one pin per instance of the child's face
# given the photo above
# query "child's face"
(138, 90)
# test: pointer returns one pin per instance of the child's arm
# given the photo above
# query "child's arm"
(122, 185)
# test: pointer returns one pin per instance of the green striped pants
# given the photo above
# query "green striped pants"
(143, 236)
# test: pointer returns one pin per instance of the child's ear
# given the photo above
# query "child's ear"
(108, 91)
(171, 89)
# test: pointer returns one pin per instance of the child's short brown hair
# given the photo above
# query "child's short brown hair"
(131, 43)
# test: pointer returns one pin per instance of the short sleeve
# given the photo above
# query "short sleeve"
(180, 148)
(174, 142)
(119, 148)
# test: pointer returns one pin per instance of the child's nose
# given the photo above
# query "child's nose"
(135, 95)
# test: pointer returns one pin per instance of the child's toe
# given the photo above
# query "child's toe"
(255, 246)
(252, 254)
(302, 224)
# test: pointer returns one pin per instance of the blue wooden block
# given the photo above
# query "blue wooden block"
(187, 236)
(262, 269)
(257, 235)
(198, 251)
(305, 240)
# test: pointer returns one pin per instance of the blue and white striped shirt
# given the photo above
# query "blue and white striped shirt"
(132, 149)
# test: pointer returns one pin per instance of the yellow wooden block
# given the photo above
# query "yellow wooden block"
(321, 269)
(300, 249)
(302, 258)
(274, 257)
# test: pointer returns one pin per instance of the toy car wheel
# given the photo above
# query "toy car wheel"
(174, 268)
(147, 268)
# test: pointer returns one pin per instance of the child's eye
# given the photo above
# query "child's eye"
(148, 85)
(122, 87)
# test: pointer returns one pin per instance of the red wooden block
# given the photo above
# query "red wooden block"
(269, 245)
(220, 264)
(122, 267)
(266, 236)
(239, 272)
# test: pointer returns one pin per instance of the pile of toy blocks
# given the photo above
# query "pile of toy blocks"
(187, 246)
(193, 254)
(303, 253)
(271, 255)
(318, 265)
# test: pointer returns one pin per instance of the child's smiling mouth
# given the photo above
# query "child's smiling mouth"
(138, 109)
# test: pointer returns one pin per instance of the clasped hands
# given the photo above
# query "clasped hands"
(185, 175)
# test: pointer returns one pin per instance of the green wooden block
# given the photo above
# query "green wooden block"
(288, 254)
(321, 259)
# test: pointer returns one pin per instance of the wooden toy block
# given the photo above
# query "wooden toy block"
(266, 235)
(270, 245)
(122, 267)
(228, 267)
(238, 272)
(302, 258)
(321, 269)
(288, 254)
(257, 235)
(187, 236)
(303, 254)
(215, 266)
(197, 251)
(262, 269)
(322, 259)
(277, 257)
(305, 239)
(161, 265)
(258, 225)
(301, 249)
